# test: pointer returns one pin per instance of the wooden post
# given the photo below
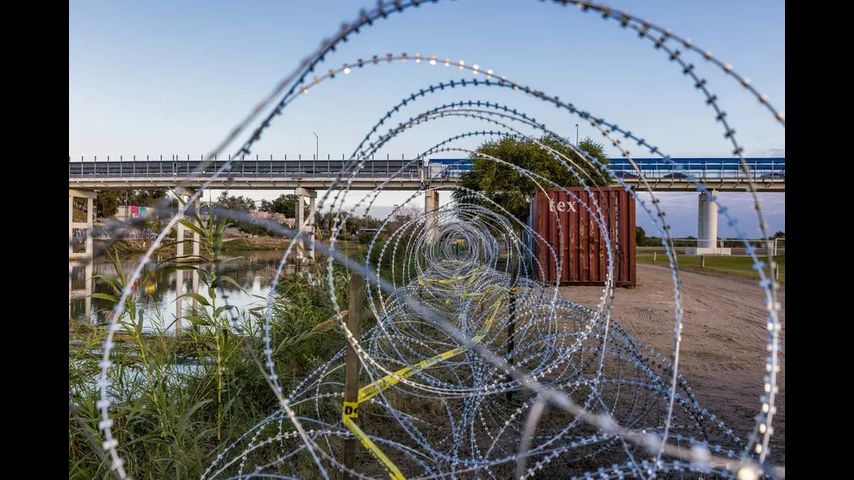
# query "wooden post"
(702, 261)
(654, 254)
(351, 365)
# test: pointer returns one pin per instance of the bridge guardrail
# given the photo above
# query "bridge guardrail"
(247, 168)
(769, 170)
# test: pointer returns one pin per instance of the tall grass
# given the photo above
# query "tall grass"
(178, 400)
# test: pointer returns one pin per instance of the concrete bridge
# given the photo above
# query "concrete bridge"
(305, 177)
(256, 174)
(721, 174)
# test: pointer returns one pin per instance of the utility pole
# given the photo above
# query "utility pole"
(316, 146)
(576, 134)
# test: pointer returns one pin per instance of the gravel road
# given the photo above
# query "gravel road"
(723, 341)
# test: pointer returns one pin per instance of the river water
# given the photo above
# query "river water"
(156, 291)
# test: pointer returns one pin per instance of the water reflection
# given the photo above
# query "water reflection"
(158, 289)
(79, 290)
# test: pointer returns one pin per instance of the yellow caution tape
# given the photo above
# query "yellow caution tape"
(350, 410)
(372, 447)
(366, 393)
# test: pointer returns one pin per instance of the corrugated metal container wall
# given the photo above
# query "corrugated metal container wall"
(583, 257)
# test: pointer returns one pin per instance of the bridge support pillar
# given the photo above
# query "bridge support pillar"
(197, 239)
(305, 247)
(431, 210)
(181, 229)
(180, 282)
(707, 227)
(179, 246)
(76, 230)
(180, 290)
(707, 224)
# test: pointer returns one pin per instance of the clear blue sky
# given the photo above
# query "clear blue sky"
(167, 78)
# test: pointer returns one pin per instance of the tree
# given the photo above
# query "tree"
(640, 236)
(236, 203)
(107, 202)
(779, 234)
(284, 204)
(147, 197)
(513, 190)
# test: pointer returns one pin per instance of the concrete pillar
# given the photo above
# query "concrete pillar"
(185, 194)
(431, 207)
(197, 240)
(707, 224)
(312, 214)
(305, 248)
(195, 284)
(70, 272)
(180, 245)
(179, 301)
(87, 302)
(70, 227)
(86, 225)
(90, 219)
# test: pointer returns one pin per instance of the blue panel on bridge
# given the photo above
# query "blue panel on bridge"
(770, 167)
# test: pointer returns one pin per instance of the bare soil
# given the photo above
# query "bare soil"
(724, 339)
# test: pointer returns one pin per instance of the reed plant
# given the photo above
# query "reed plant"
(179, 399)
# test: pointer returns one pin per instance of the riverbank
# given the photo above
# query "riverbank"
(126, 247)
(231, 245)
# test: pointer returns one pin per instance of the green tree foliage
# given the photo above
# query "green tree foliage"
(512, 189)
(779, 234)
(241, 204)
(107, 202)
(147, 197)
(284, 204)
(640, 235)
(236, 203)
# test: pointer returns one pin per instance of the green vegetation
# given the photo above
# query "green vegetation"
(108, 201)
(176, 401)
(731, 265)
(234, 202)
(286, 204)
(509, 188)
(642, 240)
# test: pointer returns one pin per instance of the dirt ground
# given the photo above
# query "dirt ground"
(724, 338)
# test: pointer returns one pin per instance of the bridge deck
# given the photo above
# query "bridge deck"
(723, 174)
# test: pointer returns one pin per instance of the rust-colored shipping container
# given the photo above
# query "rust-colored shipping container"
(582, 251)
